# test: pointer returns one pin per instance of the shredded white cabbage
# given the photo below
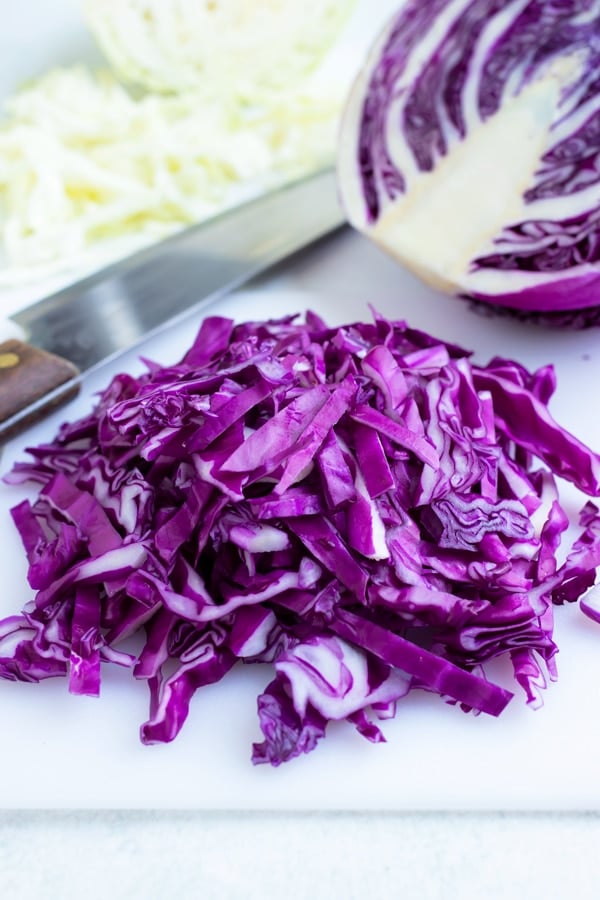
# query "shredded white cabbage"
(91, 170)
(84, 165)
(230, 48)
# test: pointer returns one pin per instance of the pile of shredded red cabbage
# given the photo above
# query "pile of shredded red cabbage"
(362, 509)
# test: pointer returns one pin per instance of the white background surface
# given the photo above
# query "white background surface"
(246, 854)
(219, 856)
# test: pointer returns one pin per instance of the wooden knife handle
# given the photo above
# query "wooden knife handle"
(27, 375)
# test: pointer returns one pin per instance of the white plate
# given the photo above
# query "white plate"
(63, 751)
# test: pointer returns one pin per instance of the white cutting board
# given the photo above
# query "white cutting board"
(62, 751)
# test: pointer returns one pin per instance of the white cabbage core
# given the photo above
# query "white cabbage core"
(451, 215)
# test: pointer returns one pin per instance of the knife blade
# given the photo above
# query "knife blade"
(84, 325)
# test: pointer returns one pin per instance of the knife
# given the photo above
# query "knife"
(80, 327)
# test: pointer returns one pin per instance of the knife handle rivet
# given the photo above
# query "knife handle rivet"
(8, 360)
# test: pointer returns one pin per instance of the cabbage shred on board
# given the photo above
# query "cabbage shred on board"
(363, 510)
(470, 149)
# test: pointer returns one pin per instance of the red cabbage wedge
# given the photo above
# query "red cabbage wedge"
(362, 510)
(470, 149)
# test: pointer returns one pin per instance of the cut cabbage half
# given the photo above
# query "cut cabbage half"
(232, 48)
(470, 149)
